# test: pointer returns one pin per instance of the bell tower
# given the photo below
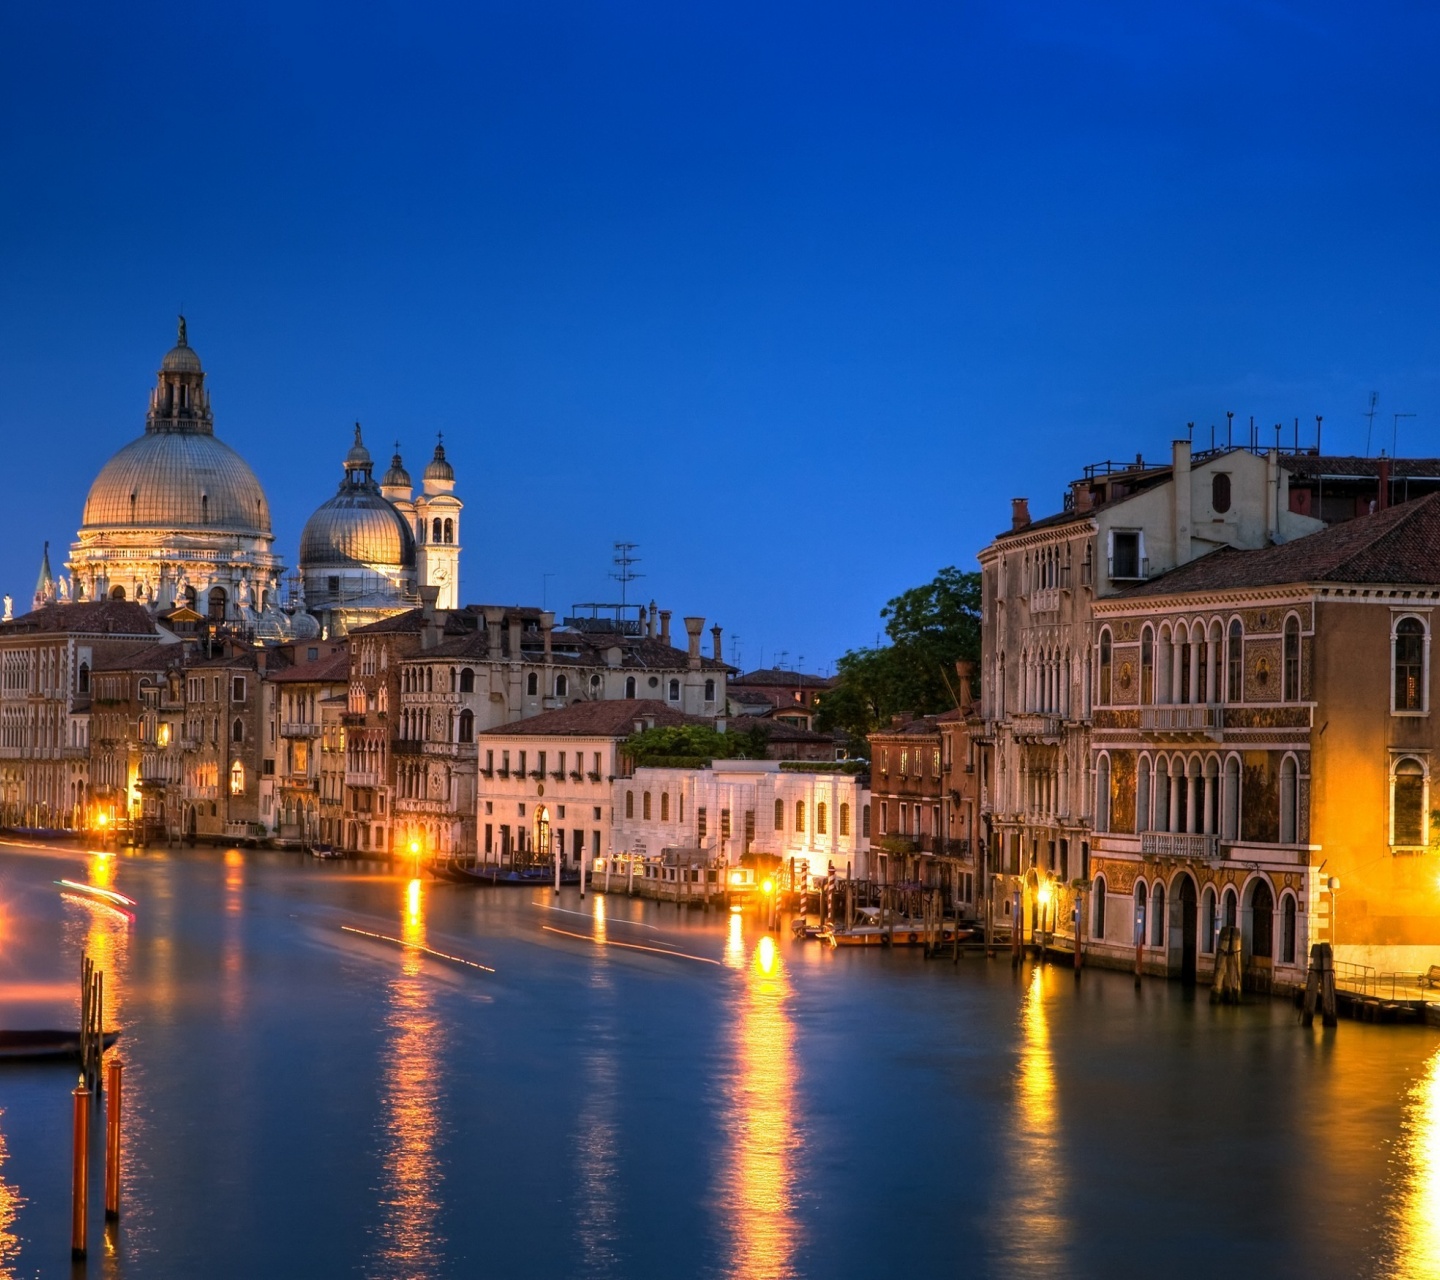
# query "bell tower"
(437, 530)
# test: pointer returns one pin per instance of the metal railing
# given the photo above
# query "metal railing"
(1182, 717)
(1178, 844)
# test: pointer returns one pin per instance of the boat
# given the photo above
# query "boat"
(491, 873)
(93, 891)
(325, 852)
(28, 1045)
(898, 931)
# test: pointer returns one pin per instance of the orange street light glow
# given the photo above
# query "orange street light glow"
(769, 886)
(736, 878)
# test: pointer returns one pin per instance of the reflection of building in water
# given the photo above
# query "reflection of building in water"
(597, 1140)
(1036, 1235)
(10, 1202)
(763, 1139)
(410, 1242)
(1417, 1227)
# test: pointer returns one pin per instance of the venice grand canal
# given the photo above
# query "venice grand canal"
(707, 1101)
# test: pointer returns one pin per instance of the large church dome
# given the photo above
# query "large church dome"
(178, 475)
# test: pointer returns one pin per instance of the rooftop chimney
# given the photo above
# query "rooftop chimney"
(650, 629)
(715, 634)
(965, 670)
(494, 616)
(1019, 513)
(434, 622)
(515, 622)
(694, 626)
(547, 625)
(665, 625)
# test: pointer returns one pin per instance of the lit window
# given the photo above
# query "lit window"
(779, 815)
(821, 818)
(1408, 660)
(237, 779)
(1407, 791)
(799, 815)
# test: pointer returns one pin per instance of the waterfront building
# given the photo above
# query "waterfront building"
(545, 782)
(300, 695)
(748, 811)
(177, 517)
(1263, 748)
(47, 660)
(791, 697)
(1121, 526)
(488, 666)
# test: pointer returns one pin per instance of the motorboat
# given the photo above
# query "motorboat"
(18, 1046)
(871, 929)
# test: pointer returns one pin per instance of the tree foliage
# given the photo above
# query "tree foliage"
(693, 742)
(930, 628)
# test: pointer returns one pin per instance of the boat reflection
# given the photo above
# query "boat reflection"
(763, 1134)
(1417, 1212)
(1037, 1189)
(410, 1243)
(10, 1203)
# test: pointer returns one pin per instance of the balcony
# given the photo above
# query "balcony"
(1183, 719)
(1178, 844)
(1036, 728)
(362, 778)
(298, 729)
(1045, 600)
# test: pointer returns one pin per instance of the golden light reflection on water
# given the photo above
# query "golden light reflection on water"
(410, 1197)
(598, 1137)
(10, 1202)
(763, 1139)
(1038, 1178)
(1417, 1219)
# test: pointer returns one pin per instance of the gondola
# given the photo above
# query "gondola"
(536, 876)
(28, 1045)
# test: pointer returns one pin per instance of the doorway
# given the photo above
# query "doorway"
(1189, 931)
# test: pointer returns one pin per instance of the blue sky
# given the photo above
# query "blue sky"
(797, 297)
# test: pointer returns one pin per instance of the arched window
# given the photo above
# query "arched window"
(1407, 804)
(1097, 915)
(645, 806)
(449, 531)
(1291, 686)
(1147, 665)
(117, 593)
(218, 600)
(1235, 663)
(865, 821)
(821, 819)
(664, 806)
(1102, 794)
(1262, 920)
(1142, 794)
(1229, 909)
(467, 680)
(1289, 801)
(467, 725)
(629, 686)
(1408, 651)
(429, 679)
(629, 804)
(1157, 915)
(1230, 800)
(237, 779)
(1287, 929)
(709, 691)
(799, 815)
(1142, 901)
(674, 691)
(1220, 493)
(779, 815)
(562, 686)
(83, 678)
(1104, 699)
(237, 730)
(436, 531)
(1208, 924)
(844, 819)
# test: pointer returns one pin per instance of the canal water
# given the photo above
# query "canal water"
(624, 1090)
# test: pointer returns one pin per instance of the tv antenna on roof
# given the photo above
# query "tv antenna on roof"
(1395, 432)
(1370, 420)
(624, 574)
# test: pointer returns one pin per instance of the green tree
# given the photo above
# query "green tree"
(693, 742)
(930, 628)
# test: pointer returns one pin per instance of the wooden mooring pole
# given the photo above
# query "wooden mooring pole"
(79, 1182)
(1320, 987)
(112, 1140)
(1226, 987)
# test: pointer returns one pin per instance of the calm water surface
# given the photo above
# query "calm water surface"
(705, 1101)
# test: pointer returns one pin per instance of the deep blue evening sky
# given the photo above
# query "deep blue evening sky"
(795, 296)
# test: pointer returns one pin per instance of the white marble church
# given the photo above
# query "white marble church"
(177, 520)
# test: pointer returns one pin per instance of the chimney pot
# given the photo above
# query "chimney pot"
(1019, 512)
(665, 625)
(693, 628)
(715, 634)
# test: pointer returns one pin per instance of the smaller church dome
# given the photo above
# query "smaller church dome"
(359, 455)
(439, 468)
(397, 476)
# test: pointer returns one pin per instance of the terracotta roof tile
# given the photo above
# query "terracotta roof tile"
(614, 718)
(93, 617)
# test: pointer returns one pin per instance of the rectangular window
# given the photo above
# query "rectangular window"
(237, 690)
(725, 824)
(779, 815)
(1125, 555)
(935, 763)
(884, 817)
(489, 762)
(489, 838)
(904, 761)
(700, 822)
(749, 825)
(597, 813)
(595, 843)
(560, 765)
(540, 761)
(522, 764)
(1409, 665)
(504, 762)
(904, 817)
